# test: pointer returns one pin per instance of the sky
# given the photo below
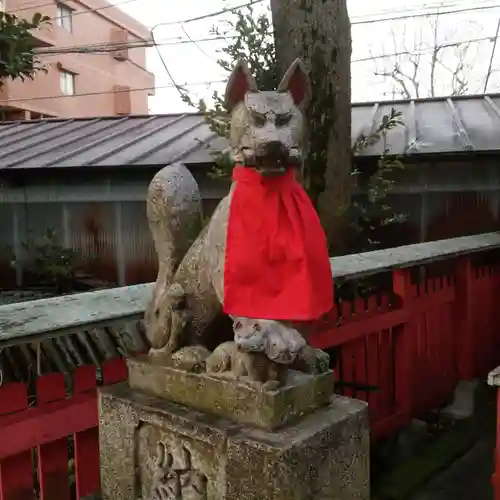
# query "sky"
(194, 64)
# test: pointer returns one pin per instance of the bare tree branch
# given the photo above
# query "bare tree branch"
(435, 56)
(421, 70)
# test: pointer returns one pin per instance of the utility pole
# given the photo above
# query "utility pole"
(320, 34)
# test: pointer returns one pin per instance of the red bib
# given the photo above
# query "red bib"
(277, 264)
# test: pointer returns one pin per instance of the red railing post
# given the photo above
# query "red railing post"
(16, 470)
(496, 473)
(86, 442)
(464, 341)
(494, 381)
(404, 343)
(52, 456)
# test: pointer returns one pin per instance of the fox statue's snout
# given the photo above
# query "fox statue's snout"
(275, 150)
(267, 126)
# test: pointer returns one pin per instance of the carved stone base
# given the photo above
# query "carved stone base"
(227, 398)
(152, 449)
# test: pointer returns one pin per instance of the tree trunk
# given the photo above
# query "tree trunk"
(319, 32)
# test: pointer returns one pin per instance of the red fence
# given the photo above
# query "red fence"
(412, 345)
(35, 458)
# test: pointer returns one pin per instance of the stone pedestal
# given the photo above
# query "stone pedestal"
(294, 446)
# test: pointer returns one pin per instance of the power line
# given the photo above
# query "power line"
(437, 11)
(429, 14)
(93, 47)
(254, 2)
(196, 84)
(226, 10)
(430, 51)
(185, 21)
(436, 8)
(198, 18)
(104, 50)
(179, 40)
(142, 89)
(112, 46)
(197, 44)
(435, 5)
(170, 23)
(490, 65)
(118, 44)
(425, 6)
(160, 56)
(358, 22)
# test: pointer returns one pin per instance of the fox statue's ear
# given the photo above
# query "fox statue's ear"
(240, 82)
(296, 81)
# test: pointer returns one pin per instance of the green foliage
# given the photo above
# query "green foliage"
(16, 46)
(373, 212)
(251, 40)
(254, 44)
(223, 164)
(50, 263)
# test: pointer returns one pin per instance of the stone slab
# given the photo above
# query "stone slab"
(323, 456)
(224, 397)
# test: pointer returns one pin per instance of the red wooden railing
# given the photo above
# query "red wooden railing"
(34, 438)
(494, 381)
(413, 344)
(495, 478)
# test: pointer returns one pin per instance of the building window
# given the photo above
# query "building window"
(67, 83)
(2, 5)
(64, 17)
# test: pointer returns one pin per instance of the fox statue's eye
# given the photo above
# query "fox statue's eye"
(258, 120)
(257, 327)
(282, 120)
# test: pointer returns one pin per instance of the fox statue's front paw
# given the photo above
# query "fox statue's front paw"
(160, 352)
(322, 361)
(311, 360)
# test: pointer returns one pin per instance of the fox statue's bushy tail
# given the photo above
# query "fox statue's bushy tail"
(189, 259)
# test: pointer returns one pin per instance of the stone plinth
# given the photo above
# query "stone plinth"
(225, 397)
(148, 442)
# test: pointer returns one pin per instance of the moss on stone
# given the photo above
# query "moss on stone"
(228, 398)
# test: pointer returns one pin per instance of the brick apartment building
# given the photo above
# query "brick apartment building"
(81, 84)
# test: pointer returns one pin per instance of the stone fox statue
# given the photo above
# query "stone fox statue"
(266, 134)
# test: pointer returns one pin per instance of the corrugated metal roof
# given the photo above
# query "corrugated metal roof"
(440, 125)
(431, 126)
